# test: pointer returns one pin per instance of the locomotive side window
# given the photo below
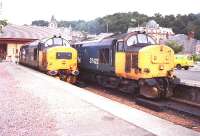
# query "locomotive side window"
(35, 54)
(120, 46)
(23, 53)
(104, 56)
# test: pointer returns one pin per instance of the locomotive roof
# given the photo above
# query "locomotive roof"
(44, 40)
(104, 42)
(107, 41)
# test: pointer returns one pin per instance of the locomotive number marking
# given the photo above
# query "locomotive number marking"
(94, 61)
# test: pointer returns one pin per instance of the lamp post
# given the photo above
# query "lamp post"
(135, 21)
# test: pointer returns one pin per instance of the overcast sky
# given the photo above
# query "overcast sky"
(25, 11)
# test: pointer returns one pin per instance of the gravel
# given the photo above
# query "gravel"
(21, 114)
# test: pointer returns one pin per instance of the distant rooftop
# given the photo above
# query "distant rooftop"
(152, 24)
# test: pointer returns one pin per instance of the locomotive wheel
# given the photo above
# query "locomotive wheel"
(186, 67)
(71, 79)
(178, 66)
(151, 92)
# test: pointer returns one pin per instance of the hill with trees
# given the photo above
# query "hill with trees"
(119, 22)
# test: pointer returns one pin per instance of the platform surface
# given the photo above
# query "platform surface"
(33, 103)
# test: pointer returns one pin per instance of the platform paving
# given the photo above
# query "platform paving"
(34, 104)
(37, 104)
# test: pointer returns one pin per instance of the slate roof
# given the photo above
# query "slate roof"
(28, 32)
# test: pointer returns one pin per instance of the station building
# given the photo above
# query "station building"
(12, 37)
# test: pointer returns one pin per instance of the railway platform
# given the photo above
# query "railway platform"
(33, 103)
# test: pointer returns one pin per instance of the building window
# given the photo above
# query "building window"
(104, 56)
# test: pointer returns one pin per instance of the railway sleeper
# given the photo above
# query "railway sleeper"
(187, 93)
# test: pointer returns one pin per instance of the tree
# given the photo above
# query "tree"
(3, 22)
(175, 46)
(120, 22)
(196, 57)
(40, 23)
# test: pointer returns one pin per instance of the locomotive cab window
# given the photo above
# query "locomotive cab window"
(57, 41)
(49, 43)
(150, 40)
(63, 55)
(142, 38)
(132, 40)
(104, 56)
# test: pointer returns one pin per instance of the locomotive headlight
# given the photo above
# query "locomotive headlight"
(75, 72)
(161, 67)
(146, 70)
(50, 63)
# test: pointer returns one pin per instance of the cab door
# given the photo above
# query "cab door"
(128, 63)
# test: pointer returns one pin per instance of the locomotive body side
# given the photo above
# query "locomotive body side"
(97, 58)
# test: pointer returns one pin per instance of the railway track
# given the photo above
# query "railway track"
(174, 109)
(177, 103)
(185, 102)
(174, 104)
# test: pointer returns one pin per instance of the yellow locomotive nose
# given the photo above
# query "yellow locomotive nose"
(62, 58)
(156, 61)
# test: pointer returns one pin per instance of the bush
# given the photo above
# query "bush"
(175, 46)
(196, 57)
